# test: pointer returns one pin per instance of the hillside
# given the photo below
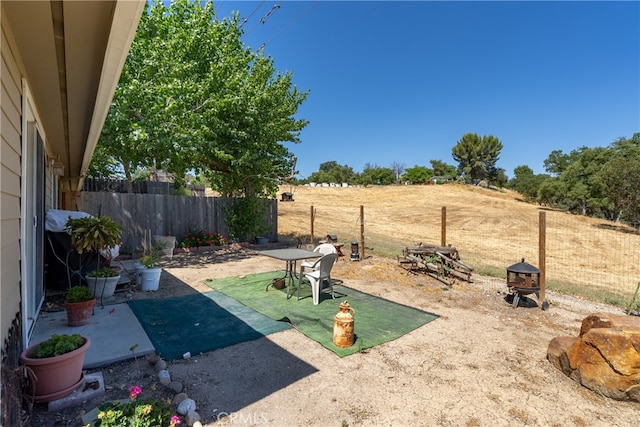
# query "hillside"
(490, 229)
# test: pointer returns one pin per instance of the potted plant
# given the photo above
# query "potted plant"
(99, 235)
(150, 272)
(79, 304)
(165, 245)
(55, 366)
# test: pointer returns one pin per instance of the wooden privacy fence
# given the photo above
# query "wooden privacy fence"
(166, 215)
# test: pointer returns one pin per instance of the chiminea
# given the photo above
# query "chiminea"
(523, 279)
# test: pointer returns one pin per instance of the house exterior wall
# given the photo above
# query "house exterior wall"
(10, 179)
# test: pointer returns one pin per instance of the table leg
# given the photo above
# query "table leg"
(291, 266)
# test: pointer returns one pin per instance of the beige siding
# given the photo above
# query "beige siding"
(10, 172)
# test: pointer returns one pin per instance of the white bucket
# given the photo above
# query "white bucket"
(136, 278)
(150, 279)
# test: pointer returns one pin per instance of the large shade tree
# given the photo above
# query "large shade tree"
(477, 156)
(193, 97)
(620, 176)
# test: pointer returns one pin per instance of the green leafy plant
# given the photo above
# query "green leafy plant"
(136, 412)
(79, 294)
(149, 261)
(194, 239)
(245, 217)
(94, 233)
(103, 272)
(57, 345)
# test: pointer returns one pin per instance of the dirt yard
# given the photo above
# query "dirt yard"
(480, 363)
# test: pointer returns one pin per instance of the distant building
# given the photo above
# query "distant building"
(438, 179)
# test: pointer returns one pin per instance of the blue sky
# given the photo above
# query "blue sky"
(402, 82)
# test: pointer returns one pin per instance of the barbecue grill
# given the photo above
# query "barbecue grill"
(523, 279)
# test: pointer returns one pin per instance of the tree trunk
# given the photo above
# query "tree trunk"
(127, 174)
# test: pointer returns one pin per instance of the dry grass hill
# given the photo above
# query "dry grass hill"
(491, 230)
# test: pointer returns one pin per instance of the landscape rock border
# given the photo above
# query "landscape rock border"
(185, 407)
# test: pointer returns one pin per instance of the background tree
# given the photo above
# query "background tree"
(398, 169)
(193, 97)
(551, 191)
(103, 165)
(477, 156)
(441, 168)
(585, 190)
(376, 175)
(620, 176)
(417, 174)
(526, 182)
(498, 177)
(557, 162)
(333, 172)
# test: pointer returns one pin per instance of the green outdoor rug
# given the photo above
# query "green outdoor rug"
(376, 320)
(199, 323)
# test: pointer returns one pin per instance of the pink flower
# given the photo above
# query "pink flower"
(175, 420)
(134, 391)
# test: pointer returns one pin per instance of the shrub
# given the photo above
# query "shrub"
(194, 239)
(136, 412)
(245, 218)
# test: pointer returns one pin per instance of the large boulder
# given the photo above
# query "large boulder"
(605, 357)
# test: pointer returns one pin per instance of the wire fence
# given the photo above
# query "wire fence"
(583, 255)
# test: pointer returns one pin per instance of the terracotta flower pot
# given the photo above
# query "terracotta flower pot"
(57, 376)
(79, 313)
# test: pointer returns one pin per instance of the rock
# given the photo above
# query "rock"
(191, 418)
(179, 398)
(160, 365)
(186, 406)
(176, 386)
(197, 424)
(605, 357)
(164, 377)
(153, 358)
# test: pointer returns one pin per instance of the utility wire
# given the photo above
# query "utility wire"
(264, 19)
(296, 19)
(269, 13)
(245, 20)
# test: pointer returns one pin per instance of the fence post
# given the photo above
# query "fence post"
(313, 217)
(542, 254)
(362, 232)
(443, 227)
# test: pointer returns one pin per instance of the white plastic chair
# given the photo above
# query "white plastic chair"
(324, 249)
(321, 271)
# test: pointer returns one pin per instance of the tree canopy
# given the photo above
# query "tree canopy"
(417, 174)
(192, 97)
(599, 181)
(477, 156)
(333, 172)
